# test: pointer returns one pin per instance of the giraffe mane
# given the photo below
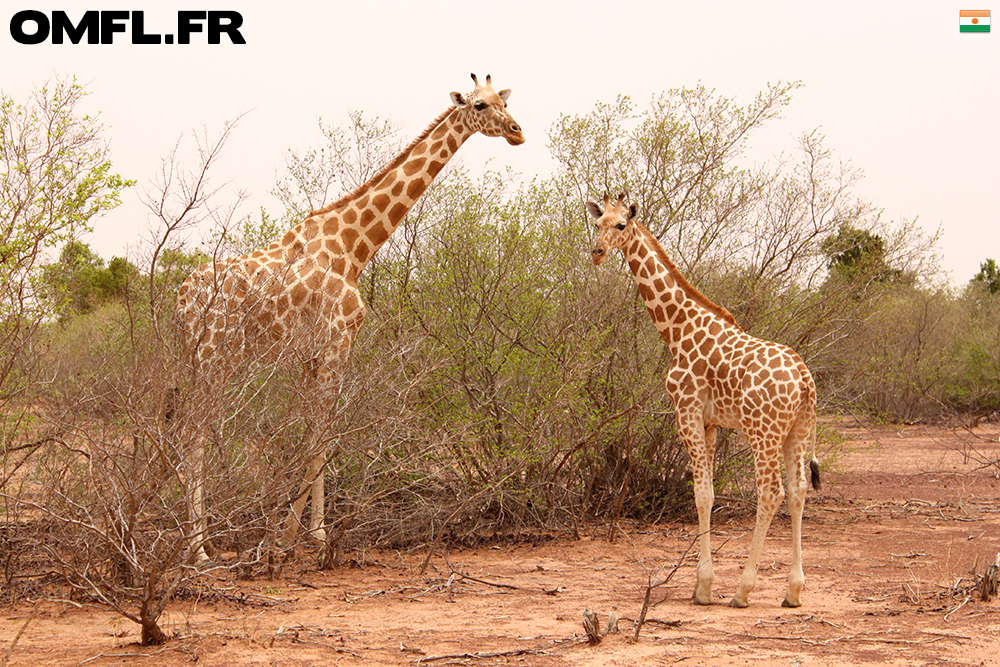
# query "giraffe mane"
(682, 282)
(398, 160)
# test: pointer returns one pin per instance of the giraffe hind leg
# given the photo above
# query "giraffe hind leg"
(798, 481)
(311, 485)
(770, 493)
(195, 483)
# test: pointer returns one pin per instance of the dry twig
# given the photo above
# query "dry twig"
(638, 623)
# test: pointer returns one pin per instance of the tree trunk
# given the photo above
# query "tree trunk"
(151, 633)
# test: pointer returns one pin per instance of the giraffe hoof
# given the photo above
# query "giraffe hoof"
(738, 604)
(705, 600)
(786, 603)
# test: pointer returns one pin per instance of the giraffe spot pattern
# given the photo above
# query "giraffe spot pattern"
(313, 281)
(413, 166)
(379, 234)
(351, 304)
(349, 236)
(415, 189)
(299, 294)
(396, 213)
(362, 252)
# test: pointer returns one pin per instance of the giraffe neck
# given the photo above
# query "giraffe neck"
(676, 307)
(347, 233)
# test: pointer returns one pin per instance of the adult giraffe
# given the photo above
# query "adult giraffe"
(721, 376)
(300, 293)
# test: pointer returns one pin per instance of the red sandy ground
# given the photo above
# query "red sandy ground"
(906, 514)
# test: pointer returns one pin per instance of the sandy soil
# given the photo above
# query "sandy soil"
(905, 516)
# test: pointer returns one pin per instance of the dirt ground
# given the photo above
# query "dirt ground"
(905, 516)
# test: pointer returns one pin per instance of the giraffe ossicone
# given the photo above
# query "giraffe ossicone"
(720, 376)
(300, 294)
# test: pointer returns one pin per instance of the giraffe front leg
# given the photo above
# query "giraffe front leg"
(706, 571)
(700, 444)
(769, 496)
(316, 530)
(704, 498)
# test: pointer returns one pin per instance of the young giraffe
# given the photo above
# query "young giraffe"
(300, 293)
(721, 376)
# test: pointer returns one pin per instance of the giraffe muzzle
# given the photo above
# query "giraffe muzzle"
(514, 136)
(597, 254)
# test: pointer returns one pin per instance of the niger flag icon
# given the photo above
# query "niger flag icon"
(974, 20)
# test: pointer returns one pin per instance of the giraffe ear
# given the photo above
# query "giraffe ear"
(594, 209)
(458, 100)
(504, 94)
(633, 211)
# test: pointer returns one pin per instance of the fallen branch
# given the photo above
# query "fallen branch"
(335, 649)
(862, 637)
(657, 621)
(553, 591)
(480, 655)
(122, 655)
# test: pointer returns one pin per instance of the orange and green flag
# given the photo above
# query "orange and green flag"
(974, 20)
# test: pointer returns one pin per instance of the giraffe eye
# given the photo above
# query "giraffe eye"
(621, 226)
(480, 106)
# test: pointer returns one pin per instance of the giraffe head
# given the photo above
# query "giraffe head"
(485, 111)
(614, 226)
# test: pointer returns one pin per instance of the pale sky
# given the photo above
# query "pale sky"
(894, 86)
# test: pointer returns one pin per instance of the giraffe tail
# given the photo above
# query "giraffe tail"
(814, 473)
